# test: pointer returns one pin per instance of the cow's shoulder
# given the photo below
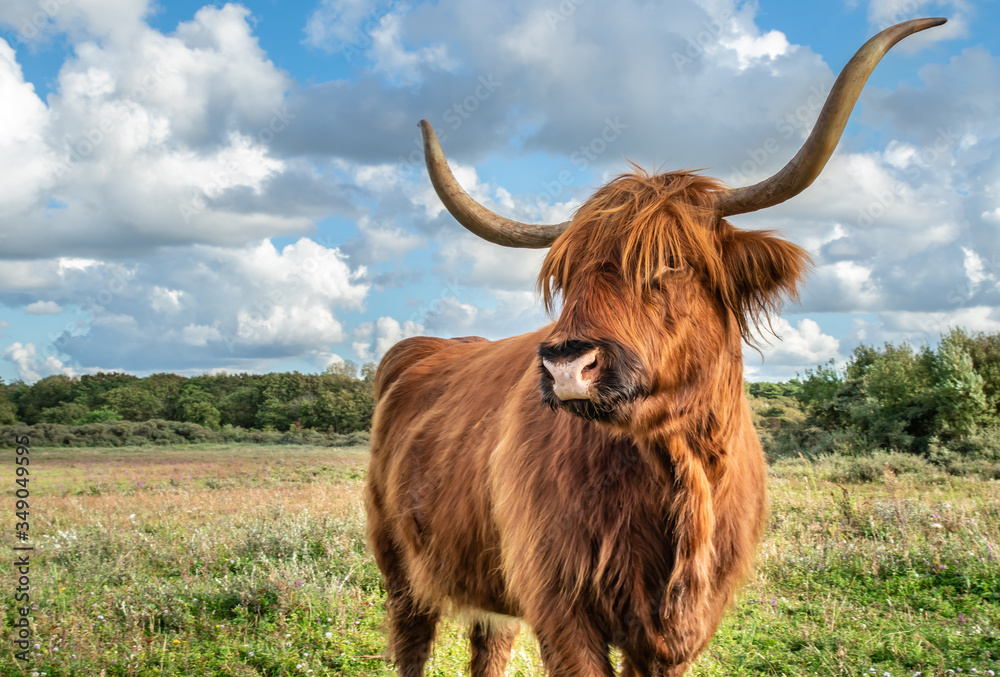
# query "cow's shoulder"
(410, 352)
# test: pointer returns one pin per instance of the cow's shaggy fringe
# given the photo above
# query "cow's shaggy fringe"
(647, 222)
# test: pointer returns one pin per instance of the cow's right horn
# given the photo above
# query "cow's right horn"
(807, 164)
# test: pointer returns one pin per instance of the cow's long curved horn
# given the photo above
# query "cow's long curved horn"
(807, 164)
(477, 218)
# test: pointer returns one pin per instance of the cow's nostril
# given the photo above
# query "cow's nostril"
(572, 379)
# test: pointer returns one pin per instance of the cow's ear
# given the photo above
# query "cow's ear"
(760, 270)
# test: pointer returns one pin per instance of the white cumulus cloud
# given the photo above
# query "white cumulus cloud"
(43, 308)
(30, 365)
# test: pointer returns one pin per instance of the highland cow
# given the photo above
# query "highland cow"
(599, 478)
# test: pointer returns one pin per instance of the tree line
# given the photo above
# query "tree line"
(340, 400)
(942, 402)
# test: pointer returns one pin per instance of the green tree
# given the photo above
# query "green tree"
(346, 371)
(8, 411)
(274, 414)
(984, 349)
(897, 379)
(65, 413)
(240, 407)
(166, 390)
(90, 389)
(816, 392)
(46, 393)
(133, 402)
(958, 389)
(863, 357)
(195, 406)
(99, 415)
(340, 411)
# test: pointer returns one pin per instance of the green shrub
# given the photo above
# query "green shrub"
(159, 432)
(100, 415)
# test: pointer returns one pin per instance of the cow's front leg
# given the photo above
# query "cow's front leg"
(571, 647)
(653, 669)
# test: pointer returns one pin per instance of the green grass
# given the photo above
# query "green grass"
(251, 560)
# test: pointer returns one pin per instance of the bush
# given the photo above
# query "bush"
(101, 415)
(872, 468)
(159, 432)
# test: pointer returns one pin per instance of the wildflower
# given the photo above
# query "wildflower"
(329, 635)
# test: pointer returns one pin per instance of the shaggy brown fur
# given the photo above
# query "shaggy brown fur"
(631, 528)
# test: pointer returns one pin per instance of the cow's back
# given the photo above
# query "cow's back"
(410, 352)
(436, 425)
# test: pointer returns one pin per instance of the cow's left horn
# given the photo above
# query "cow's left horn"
(477, 218)
(803, 169)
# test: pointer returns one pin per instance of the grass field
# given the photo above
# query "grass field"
(251, 560)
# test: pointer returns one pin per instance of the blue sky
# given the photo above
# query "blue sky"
(195, 187)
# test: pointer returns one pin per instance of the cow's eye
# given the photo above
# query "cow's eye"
(667, 272)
